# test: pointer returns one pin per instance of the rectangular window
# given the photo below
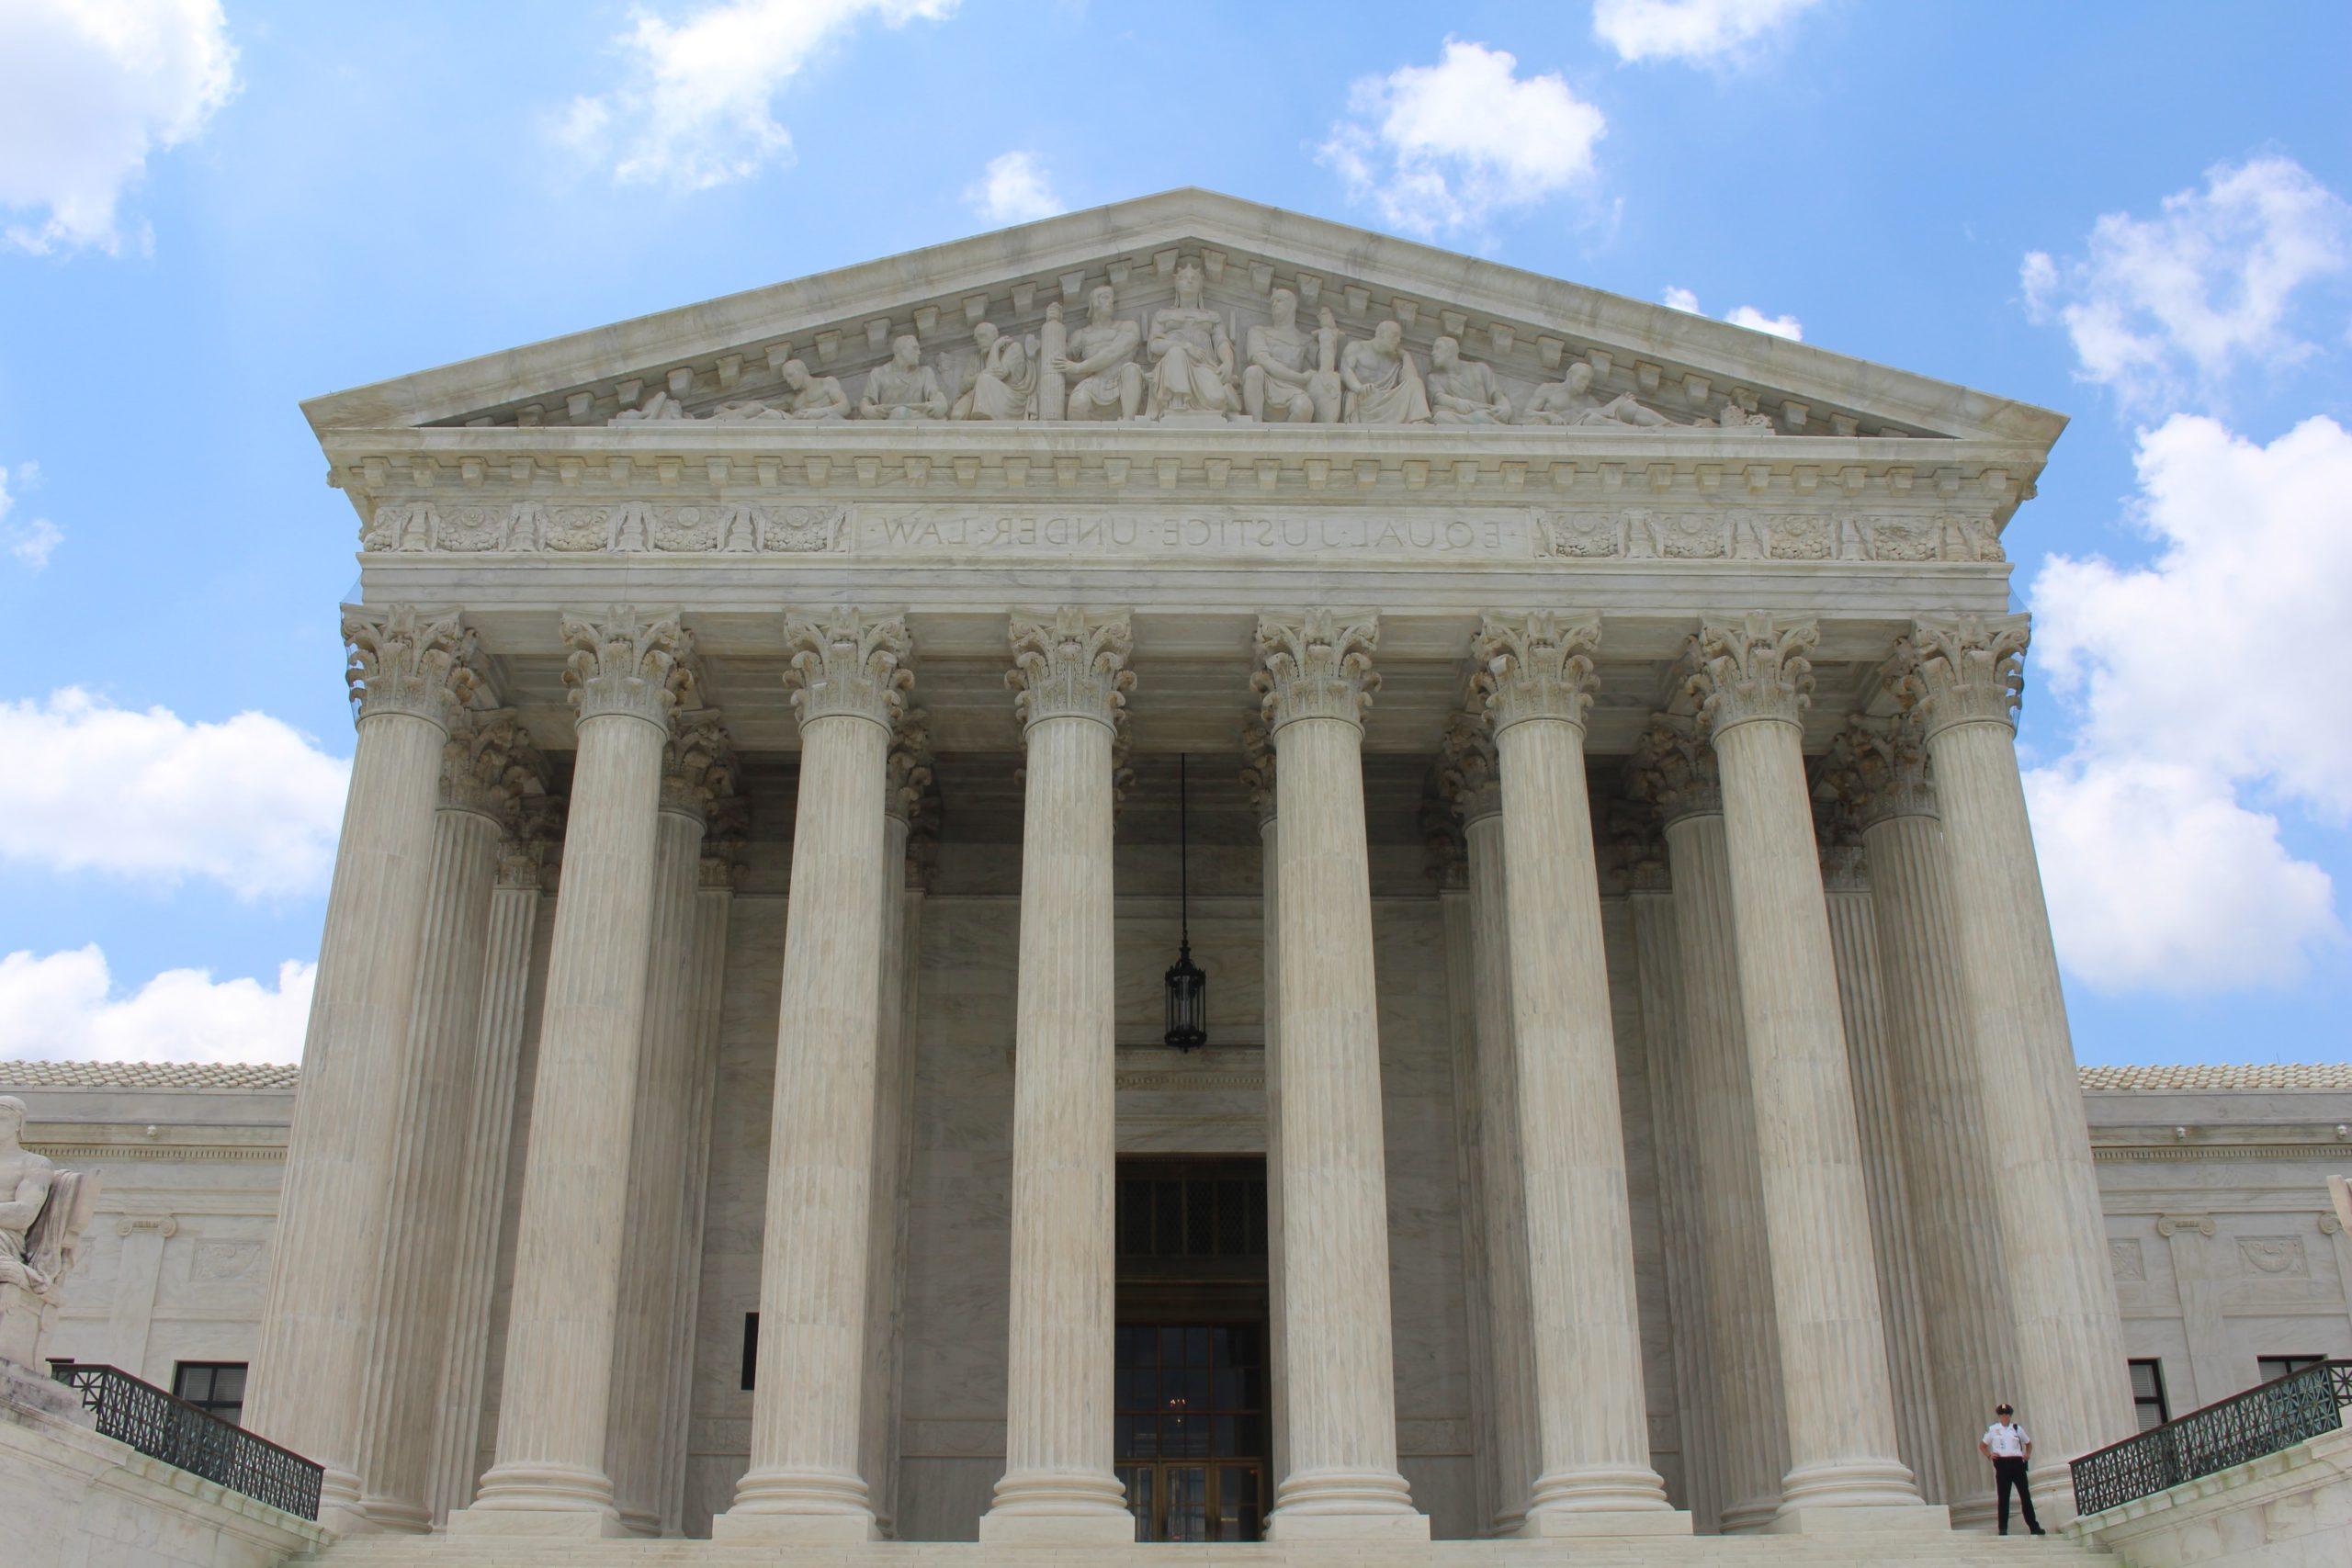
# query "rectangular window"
(218, 1387)
(2266, 1368)
(2148, 1393)
(751, 1349)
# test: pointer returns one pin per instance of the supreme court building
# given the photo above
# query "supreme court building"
(1571, 738)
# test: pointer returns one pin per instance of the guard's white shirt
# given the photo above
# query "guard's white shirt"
(2007, 1439)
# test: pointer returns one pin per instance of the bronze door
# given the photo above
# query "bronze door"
(1191, 1429)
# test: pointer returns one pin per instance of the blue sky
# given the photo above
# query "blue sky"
(2135, 213)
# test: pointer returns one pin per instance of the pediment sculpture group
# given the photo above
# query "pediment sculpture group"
(1185, 367)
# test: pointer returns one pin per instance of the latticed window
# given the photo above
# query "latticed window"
(2269, 1367)
(2148, 1393)
(217, 1388)
(1193, 1211)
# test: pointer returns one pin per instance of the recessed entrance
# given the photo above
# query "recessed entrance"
(1193, 1388)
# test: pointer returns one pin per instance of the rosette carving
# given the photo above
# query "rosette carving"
(1751, 668)
(628, 664)
(1071, 665)
(1319, 666)
(1969, 671)
(1538, 665)
(1673, 770)
(849, 664)
(402, 661)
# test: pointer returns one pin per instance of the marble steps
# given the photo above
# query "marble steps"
(1957, 1550)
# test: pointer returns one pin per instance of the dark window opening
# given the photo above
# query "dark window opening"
(217, 1388)
(751, 1349)
(2148, 1393)
(2269, 1367)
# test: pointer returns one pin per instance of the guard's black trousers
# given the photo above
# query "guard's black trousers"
(2006, 1474)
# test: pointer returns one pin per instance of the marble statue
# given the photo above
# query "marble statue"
(1731, 416)
(1382, 385)
(806, 398)
(42, 1212)
(1100, 366)
(1570, 400)
(1191, 355)
(661, 405)
(1005, 382)
(1290, 377)
(1463, 391)
(748, 411)
(904, 387)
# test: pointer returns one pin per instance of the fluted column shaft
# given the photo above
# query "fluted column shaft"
(653, 1268)
(1844, 1455)
(412, 1325)
(1940, 1113)
(550, 1478)
(804, 1483)
(1258, 778)
(1058, 1485)
(1343, 1483)
(472, 1232)
(893, 1087)
(408, 675)
(2075, 1393)
(1853, 940)
(1584, 1325)
(1502, 1185)
(1449, 869)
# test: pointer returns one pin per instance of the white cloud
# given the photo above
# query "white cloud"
(33, 540)
(1447, 146)
(696, 108)
(1014, 188)
(2166, 307)
(89, 89)
(1696, 31)
(2161, 843)
(1746, 316)
(249, 803)
(63, 1008)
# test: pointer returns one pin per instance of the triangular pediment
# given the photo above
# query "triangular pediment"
(726, 358)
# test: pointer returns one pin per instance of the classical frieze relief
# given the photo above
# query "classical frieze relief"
(984, 530)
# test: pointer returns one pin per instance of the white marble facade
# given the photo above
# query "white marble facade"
(1632, 877)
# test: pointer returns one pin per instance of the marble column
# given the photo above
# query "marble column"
(1853, 943)
(1315, 679)
(487, 766)
(1882, 772)
(1673, 769)
(625, 676)
(698, 767)
(1657, 978)
(1845, 1469)
(1964, 678)
(849, 673)
(526, 863)
(1593, 1467)
(907, 777)
(410, 674)
(1449, 872)
(1474, 784)
(1258, 778)
(1070, 673)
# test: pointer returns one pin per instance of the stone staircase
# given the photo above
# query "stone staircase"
(1961, 1549)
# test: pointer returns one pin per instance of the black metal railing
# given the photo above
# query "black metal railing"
(161, 1426)
(2264, 1419)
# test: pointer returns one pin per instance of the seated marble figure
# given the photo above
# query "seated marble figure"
(1463, 391)
(903, 387)
(1004, 381)
(1191, 354)
(1382, 385)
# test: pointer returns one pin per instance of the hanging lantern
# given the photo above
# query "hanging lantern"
(1188, 988)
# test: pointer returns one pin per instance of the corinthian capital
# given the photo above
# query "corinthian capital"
(628, 664)
(907, 779)
(1071, 665)
(1319, 666)
(1538, 665)
(402, 661)
(1753, 667)
(1878, 768)
(1468, 773)
(1968, 670)
(1448, 855)
(1673, 770)
(527, 857)
(849, 665)
(698, 764)
(488, 765)
(1258, 766)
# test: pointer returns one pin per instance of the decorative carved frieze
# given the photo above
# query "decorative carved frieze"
(1317, 666)
(626, 663)
(1673, 770)
(1969, 671)
(847, 663)
(1072, 665)
(1753, 667)
(402, 661)
(1536, 665)
(488, 765)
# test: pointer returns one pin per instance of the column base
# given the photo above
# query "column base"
(1296, 1530)
(1547, 1524)
(394, 1518)
(796, 1529)
(541, 1524)
(1901, 1518)
(558, 1502)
